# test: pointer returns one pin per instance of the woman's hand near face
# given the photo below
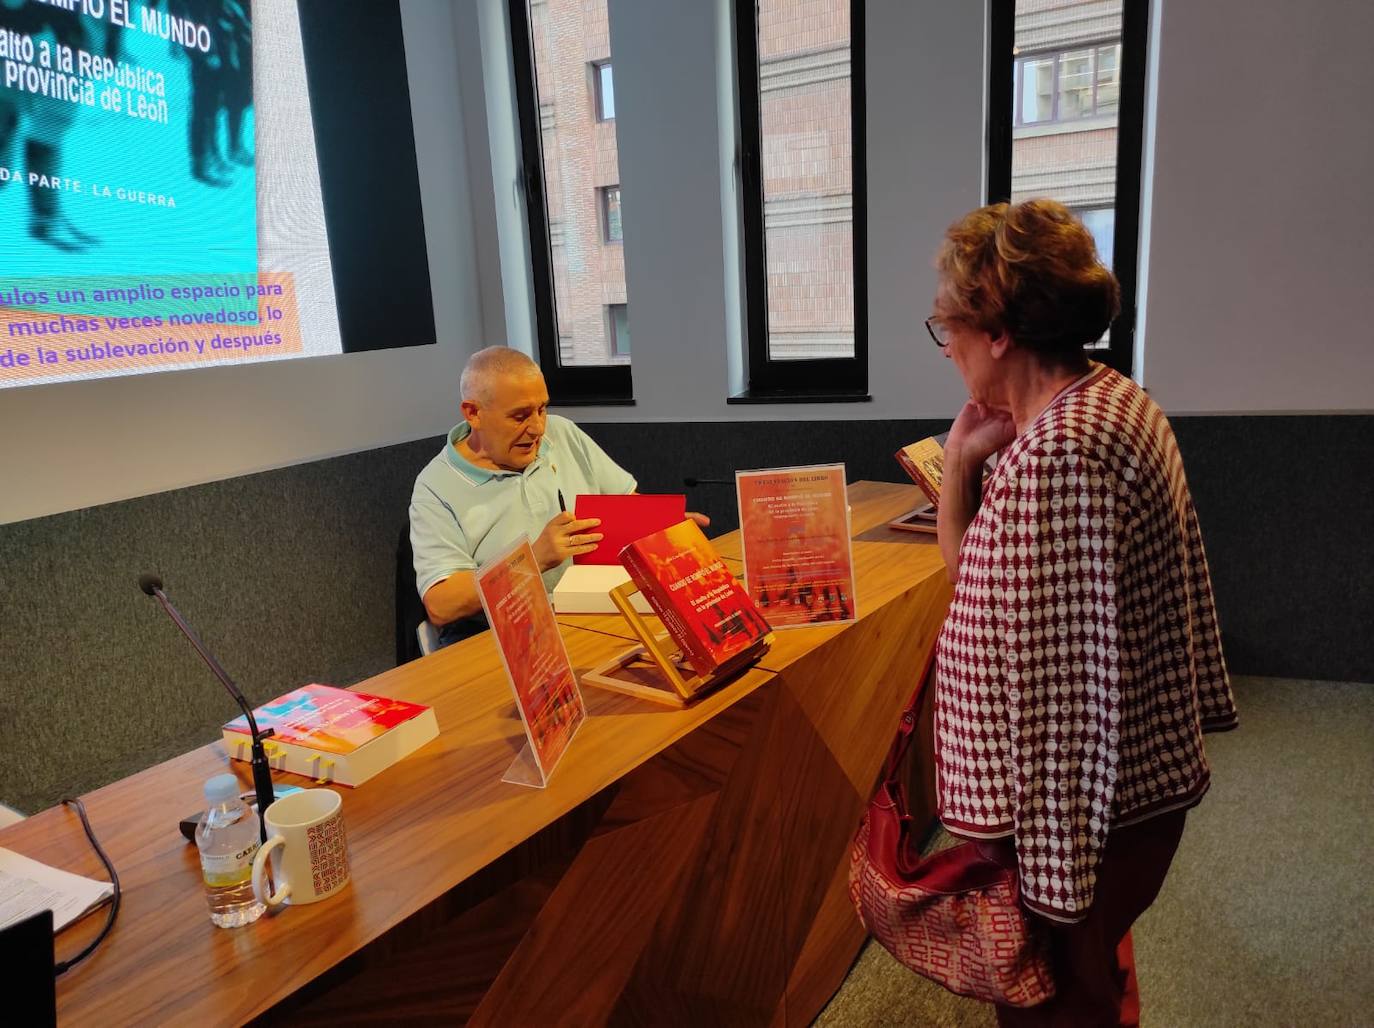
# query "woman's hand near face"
(977, 433)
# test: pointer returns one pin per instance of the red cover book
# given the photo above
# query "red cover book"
(925, 463)
(625, 518)
(702, 605)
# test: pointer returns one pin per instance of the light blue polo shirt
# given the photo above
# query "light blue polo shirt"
(461, 516)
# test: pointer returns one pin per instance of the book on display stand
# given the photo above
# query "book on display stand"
(709, 618)
(924, 461)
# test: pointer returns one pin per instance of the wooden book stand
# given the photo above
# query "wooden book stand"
(653, 670)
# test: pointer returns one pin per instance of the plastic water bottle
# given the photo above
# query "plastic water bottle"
(228, 839)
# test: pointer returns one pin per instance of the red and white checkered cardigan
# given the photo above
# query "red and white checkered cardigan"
(1081, 661)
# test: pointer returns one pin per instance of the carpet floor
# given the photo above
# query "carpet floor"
(1265, 917)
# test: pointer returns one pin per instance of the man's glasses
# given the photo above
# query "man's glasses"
(938, 329)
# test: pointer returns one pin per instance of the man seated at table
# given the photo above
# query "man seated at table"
(507, 471)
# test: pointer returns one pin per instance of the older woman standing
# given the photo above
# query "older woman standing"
(1081, 662)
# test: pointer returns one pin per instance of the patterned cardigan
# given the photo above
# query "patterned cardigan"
(1081, 660)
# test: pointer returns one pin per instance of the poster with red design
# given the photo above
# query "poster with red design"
(541, 675)
(794, 530)
(702, 605)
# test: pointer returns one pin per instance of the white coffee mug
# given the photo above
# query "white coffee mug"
(309, 853)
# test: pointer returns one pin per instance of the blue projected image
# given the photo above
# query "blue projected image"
(124, 152)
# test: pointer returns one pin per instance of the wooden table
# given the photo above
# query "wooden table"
(682, 867)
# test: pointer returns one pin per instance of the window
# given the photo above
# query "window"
(618, 323)
(568, 148)
(801, 117)
(1102, 224)
(1067, 86)
(610, 213)
(1069, 125)
(605, 91)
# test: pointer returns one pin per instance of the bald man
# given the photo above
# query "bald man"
(499, 477)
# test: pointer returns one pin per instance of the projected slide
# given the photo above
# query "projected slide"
(140, 227)
(128, 199)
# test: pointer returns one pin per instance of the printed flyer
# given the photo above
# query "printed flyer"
(794, 528)
(541, 675)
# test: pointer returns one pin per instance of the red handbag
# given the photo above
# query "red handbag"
(954, 917)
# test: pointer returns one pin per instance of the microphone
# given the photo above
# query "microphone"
(151, 584)
(691, 482)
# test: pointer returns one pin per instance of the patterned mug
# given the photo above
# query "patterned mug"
(308, 850)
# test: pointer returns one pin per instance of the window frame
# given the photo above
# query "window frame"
(569, 385)
(604, 203)
(1119, 352)
(611, 308)
(831, 379)
(1094, 48)
(599, 104)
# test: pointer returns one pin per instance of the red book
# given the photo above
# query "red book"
(925, 463)
(625, 518)
(702, 605)
(337, 735)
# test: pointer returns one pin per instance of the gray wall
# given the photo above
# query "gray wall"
(287, 575)
(1262, 234)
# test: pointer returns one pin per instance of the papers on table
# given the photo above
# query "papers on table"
(26, 887)
(586, 589)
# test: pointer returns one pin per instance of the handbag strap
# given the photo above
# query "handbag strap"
(906, 729)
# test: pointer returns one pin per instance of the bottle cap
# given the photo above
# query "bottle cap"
(222, 789)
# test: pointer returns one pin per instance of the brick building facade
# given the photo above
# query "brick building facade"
(1063, 143)
(1061, 148)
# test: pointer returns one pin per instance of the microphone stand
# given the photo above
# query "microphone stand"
(262, 770)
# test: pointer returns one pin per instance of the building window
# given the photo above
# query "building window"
(605, 91)
(618, 324)
(803, 195)
(1101, 222)
(1067, 86)
(568, 147)
(1069, 125)
(610, 213)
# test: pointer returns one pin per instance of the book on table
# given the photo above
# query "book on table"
(924, 461)
(705, 609)
(625, 517)
(334, 735)
(586, 589)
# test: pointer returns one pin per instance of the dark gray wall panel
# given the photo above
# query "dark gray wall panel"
(1287, 512)
(289, 575)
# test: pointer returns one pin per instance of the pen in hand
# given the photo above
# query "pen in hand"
(563, 507)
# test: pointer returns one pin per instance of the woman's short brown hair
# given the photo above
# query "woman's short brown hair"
(1030, 269)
